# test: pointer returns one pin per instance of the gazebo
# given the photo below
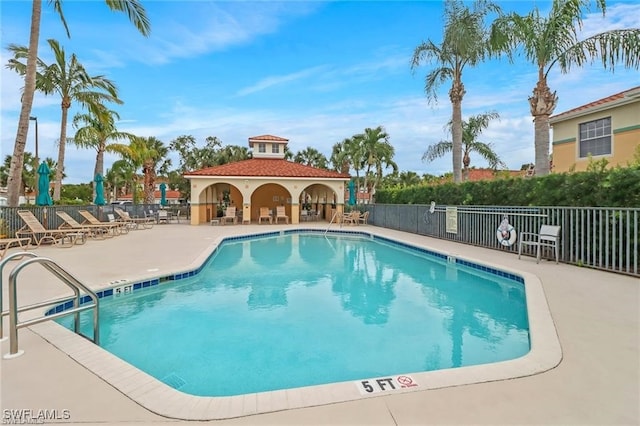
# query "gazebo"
(266, 180)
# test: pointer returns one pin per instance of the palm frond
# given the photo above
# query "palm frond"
(611, 47)
(437, 150)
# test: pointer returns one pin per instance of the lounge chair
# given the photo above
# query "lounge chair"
(549, 236)
(229, 215)
(112, 225)
(60, 237)
(95, 231)
(7, 243)
(134, 222)
(281, 214)
(264, 214)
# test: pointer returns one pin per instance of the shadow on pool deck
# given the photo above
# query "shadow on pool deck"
(596, 316)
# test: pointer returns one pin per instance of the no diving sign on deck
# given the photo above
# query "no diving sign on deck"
(385, 384)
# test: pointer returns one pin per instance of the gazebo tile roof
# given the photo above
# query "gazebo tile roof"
(267, 167)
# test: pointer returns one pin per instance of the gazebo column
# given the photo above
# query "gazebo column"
(195, 214)
(295, 213)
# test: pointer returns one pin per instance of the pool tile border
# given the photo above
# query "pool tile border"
(159, 398)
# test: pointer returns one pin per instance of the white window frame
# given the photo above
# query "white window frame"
(275, 148)
(262, 147)
(597, 136)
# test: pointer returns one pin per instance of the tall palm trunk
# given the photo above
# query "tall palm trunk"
(66, 104)
(149, 182)
(466, 161)
(14, 180)
(456, 94)
(542, 104)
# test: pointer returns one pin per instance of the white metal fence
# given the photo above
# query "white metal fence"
(597, 237)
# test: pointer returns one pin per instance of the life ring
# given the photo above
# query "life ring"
(506, 237)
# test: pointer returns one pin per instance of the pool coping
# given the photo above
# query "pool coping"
(159, 398)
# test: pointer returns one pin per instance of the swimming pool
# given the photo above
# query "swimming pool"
(287, 311)
(150, 393)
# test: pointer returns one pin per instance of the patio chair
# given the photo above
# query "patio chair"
(116, 228)
(549, 236)
(364, 217)
(281, 214)
(351, 218)
(163, 216)
(264, 214)
(229, 215)
(174, 217)
(134, 222)
(59, 237)
(95, 231)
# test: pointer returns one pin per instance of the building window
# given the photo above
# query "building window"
(595, 137)
(275, 148)
(262, 147)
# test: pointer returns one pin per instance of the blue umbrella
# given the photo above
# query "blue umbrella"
(352, 193)
(44, 198)
(99, 185)
(163, 194)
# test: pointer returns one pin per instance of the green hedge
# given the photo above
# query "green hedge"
(617, 187)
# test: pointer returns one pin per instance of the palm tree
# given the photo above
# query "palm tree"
(98, 128)
(149, 154)
(119, 178)
(551, 40)
(340, 158)
(29, 172)
(465, 43)
(377, 154)
(311, 157)
(409, 179)
(136, 13)
(70, 80)
(471, 129)
(231, 154)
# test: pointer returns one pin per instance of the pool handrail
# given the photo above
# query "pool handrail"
(67, 279)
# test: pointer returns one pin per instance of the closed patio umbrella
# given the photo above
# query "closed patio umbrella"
(163, 194)
(352, 193)
(99, 200)
(44, 197)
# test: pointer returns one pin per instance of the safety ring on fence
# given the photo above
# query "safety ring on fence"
(506, 236)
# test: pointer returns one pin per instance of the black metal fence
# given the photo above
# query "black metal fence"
(597, 237)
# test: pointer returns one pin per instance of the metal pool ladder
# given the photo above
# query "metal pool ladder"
(66, 278)
(334, 217)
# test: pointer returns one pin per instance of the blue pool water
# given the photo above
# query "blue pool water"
(297, 310)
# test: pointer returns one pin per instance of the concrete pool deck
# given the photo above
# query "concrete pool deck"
(596, 316)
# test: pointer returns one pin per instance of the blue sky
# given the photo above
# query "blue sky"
(313, 72)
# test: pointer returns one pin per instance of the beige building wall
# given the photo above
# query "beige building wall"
(625, 127)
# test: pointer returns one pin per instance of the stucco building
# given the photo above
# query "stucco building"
(266, 180)
(607, 128)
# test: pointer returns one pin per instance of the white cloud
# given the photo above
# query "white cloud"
(271, 81)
